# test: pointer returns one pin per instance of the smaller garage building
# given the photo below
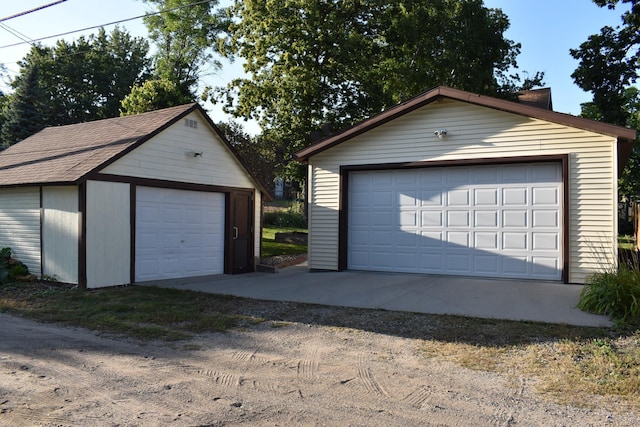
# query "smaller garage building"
(154, 196)
(456, 183)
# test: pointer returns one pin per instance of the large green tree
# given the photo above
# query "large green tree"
(25, 111)
(609, 66)
(186, 35)
(74, 82)
(315, 64)
(609, 63)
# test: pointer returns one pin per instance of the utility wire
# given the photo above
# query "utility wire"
(16, 33)
(107, 24)
(26, 12)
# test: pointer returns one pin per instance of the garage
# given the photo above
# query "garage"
(456, 183)
(179, 233)
(490, 220)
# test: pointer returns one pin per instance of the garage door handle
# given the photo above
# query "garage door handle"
(235, 233)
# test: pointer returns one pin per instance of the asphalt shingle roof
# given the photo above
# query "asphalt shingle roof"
(66, 154)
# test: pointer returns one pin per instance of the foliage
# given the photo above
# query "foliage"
(10, 268)
(186, 39)
(629, 182)
(153, 95)
(25, 111)
(326, 65)
(609, 62)
(258, 153)
(74, 82)
(613, 293)
(284, 219)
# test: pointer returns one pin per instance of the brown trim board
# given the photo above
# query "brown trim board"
(343, 212)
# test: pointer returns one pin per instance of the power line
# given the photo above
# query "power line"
(16, 33)
(26, 12)
(107, 24)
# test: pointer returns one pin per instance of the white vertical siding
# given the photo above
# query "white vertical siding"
(108, 235)
(20, 225)
(168, 156)
(60, 226)
(476, 132)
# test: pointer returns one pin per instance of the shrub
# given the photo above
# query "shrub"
(615, 294)
(284, 219)
(10, 268)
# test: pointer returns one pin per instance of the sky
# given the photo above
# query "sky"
(546, 29)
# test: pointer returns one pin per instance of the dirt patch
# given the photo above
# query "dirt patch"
(275, 373)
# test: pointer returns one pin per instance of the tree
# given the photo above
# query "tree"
(76, 82)
(328, 64)
(153, 95)
(25, 111)
(609, 63)
(186, 37)
(256, 152)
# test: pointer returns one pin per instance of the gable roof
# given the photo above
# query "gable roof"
(625, 137)
(67, 154)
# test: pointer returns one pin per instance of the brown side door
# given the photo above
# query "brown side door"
(241, 232)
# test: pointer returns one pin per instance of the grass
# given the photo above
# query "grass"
(625, 242)
(138, 312)
(272, 248)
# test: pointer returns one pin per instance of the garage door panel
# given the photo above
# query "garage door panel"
(493, 221)
(486, 240)
(179, 233)
(546, 218)
(486, 265)
(545, 242)
(486, 219)
(515, 197)
(431, 197)
(545, 196)
(457, 218)
(486, 197)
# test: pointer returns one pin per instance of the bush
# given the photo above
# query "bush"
(10, 268)
(615, 294)
(284, 219)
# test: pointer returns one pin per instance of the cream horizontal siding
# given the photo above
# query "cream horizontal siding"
(60, 230)
(20, 225)
(475, 132)
(167, 156)
(108, 236)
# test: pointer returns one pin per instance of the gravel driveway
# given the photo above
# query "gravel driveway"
(272, 374)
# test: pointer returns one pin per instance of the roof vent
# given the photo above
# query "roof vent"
(190, 123)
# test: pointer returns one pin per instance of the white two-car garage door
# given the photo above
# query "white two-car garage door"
(492, 221)
(179, 233)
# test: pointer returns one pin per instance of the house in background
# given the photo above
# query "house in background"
(154, 196)
(455, 183)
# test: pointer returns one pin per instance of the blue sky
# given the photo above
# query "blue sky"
(547, 29)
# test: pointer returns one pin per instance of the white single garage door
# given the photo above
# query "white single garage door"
(178, 233)
(491, 221)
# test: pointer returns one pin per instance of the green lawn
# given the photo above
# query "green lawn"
(625, 242)
(271, 248)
